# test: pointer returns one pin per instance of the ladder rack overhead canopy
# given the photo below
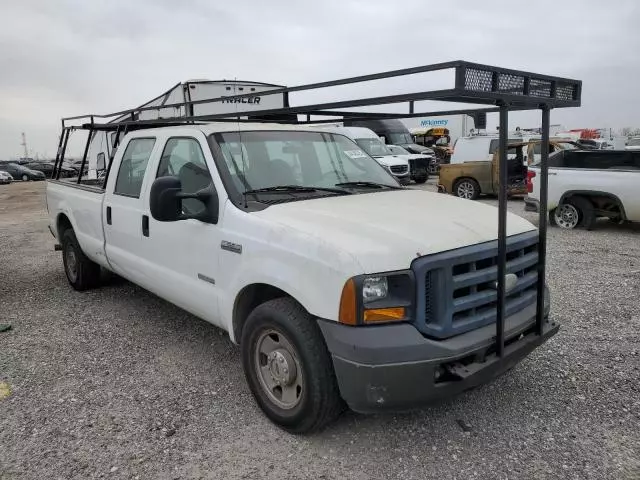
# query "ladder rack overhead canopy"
(470, 83)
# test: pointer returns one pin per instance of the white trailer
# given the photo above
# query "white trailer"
(193, 98)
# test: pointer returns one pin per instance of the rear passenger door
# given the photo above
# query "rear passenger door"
(123, 209)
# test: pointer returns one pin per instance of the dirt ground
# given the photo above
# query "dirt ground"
(117, 383)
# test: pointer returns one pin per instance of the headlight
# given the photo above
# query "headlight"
(374, 288)
(382, 298)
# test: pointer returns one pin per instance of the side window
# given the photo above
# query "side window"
(599, 160)
(183, 158)
(132, 168)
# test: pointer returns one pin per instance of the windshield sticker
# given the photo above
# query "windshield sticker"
(355, 154)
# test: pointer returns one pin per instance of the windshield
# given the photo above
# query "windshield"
(373, 147)
(263, 159)
(399, 138)
(634, 142)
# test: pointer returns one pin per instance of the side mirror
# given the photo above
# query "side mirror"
(166, 196)
(100, 163)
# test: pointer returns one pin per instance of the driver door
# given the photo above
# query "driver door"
(183, 255)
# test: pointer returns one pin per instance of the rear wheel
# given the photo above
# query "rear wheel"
(574, 212)
(25, 178)
(467, 188)
(81, 272)
(288, 367)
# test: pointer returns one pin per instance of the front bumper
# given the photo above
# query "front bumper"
(394, 367)
(441, 188)
(531, 204)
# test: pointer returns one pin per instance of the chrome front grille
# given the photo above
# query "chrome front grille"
(459, 291)
(399, 169)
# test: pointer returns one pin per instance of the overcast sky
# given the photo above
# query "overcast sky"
(68, 57)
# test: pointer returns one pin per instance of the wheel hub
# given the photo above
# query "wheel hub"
(465, 190)
(72, 263)
(281, 367)
(567, 216)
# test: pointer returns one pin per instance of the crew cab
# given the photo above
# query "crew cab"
(306, 251)
(587, 184)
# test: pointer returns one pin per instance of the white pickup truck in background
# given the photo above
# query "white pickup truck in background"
(308, 253)
(587, 184)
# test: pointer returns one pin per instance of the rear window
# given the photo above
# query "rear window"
(594, 160)
(599, 160)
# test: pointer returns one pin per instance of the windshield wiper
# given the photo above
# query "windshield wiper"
(366, 185)
(295, 189)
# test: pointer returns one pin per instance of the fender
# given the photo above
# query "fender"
(570, 193)
(319, 294)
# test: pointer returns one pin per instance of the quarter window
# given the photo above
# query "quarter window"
(133, 166)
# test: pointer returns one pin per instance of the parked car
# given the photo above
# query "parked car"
(471, 179)
(5, 178)
(47, 169)
(587, 184)
(21, 172)
(370, 143)
(420, 165)
(477, 148)
(633, 144)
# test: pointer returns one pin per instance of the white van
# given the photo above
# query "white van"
(368, 141)
(477, 148)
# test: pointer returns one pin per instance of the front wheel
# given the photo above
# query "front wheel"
(25, 178)
(422, 179)
(288, 367)
(467, 188)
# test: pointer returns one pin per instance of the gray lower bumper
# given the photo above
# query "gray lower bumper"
(531, 204)
(395, 367)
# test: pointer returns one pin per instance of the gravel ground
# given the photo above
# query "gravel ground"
(117, 383)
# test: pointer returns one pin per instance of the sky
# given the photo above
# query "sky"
(71, 57)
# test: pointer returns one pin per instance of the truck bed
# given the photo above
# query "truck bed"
(81, 205)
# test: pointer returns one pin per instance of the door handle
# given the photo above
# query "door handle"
(145, 225)
(108, 215)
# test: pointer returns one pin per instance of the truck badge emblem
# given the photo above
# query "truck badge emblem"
(510, 281)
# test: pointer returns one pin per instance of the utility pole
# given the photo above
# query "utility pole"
(24, 145)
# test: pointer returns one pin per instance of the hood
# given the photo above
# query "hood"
(385, 231)
(415, 148)
(391, 160)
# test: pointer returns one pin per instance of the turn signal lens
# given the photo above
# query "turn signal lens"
(348, 310)
(384, 314)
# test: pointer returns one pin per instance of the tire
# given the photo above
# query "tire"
(467, 188)
(574, 212)
(313, 399)
(421, 180)
(25, 178)
(82, 273)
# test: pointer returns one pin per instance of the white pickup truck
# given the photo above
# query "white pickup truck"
(587, 184)
(308, 253)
